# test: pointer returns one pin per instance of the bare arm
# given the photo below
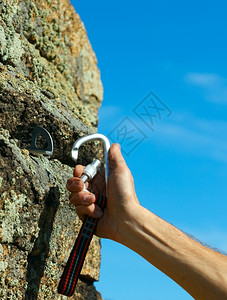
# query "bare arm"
(201, 271)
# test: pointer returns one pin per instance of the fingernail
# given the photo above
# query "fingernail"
(118, 145)
(88, 199)
(98, 212)
(76, 182)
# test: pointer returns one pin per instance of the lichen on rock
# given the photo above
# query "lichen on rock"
(48, 77)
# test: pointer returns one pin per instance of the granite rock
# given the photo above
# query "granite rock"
(48, 77)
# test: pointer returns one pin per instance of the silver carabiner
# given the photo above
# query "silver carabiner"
(92, 137)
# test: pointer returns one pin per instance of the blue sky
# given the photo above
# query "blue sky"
(177, 50)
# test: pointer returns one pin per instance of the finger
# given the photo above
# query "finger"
(78, 170)
(115, 158)
(74, 184)
(91, 210)
(82, 198)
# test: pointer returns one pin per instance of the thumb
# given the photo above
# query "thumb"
(115, 158)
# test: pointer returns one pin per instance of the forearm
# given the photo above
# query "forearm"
(202, 272)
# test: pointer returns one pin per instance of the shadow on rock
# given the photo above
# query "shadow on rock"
(39, 254)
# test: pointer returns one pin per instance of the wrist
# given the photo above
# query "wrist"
(129, 224)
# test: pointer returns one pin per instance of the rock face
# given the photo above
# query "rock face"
(48, 77)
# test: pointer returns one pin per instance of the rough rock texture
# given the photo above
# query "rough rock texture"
(48, 77)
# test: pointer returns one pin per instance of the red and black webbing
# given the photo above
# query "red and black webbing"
(75, 262)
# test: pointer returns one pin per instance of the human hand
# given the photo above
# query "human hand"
(121, 196)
